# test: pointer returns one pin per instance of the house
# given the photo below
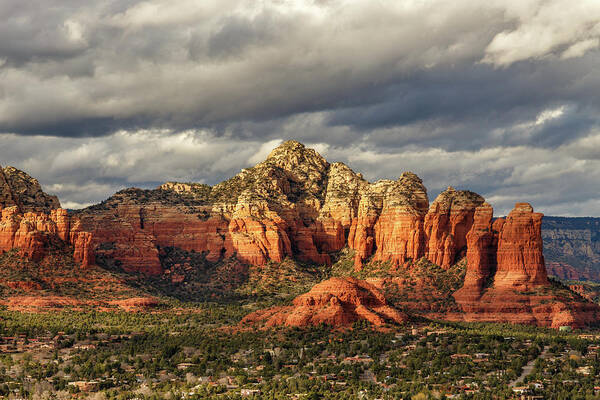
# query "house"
(459, 356)
(184, 366)
(86, 386)
(538, 385)
(249, 392)
(85, 346)
(521, 389)
(584, 370)
(357, 359)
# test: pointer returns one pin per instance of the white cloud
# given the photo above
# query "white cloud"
(541, 27)
(196, 90)
(548, 115)
(580, 48)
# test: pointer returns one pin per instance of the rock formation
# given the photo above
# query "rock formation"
(520, 250)
(389, 224)
(509, 251)
(481, 257)
(31, 220)
(447, 223)
(294, 204)
(508, 255)
(33, 233)
(297, 205)
(24, 192)
(336, 302)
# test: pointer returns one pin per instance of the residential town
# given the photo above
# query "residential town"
(434, 360)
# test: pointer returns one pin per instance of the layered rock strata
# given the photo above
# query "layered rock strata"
(33, 233)
(572, 247)
(506, 278)
(294, 204)
(447, 223)
(481, 254)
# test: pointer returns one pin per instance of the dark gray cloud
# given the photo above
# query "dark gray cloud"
(499, 96)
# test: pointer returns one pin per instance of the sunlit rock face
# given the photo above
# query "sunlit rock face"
(295, 204)
(506, 278)
(520, 250)
(31, 220)
(336, 302)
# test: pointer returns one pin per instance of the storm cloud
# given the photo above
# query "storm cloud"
(500, 97)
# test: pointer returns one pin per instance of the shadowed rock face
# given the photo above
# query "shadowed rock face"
(481, 257)
(572, 247)
(336, 302)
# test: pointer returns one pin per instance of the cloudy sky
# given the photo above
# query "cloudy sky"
(500, 97)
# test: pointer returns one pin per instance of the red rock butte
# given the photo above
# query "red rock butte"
(506, 279)
(31, 219)
(337, 302)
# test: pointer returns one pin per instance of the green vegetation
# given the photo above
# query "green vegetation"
(59, 275)
(284, 280)
(183, 355)
(197, 197)
(407, 288)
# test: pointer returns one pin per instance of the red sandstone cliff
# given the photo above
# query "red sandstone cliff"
(481, 255)
(520, 291)
(31, 220)
(520, 250)
(32, 233)
(295, 204)
(447, 223)
(336, 302)
(389, 222)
